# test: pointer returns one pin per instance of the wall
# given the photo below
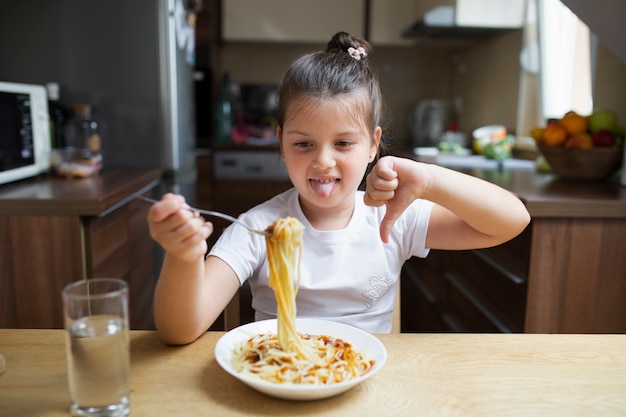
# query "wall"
(484, 76)
(610, 82)
(486, 79)
(107, 53)
(93, 51)
(606, 19)
(406, 74)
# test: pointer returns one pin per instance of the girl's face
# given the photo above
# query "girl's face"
(326, 149)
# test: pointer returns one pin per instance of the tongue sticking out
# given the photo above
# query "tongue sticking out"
(323, 189)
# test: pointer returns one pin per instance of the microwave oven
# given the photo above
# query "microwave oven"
(24, 131)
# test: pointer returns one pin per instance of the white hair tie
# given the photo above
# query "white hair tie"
(357, 53)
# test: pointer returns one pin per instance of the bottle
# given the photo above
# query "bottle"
(58, 116)
(223, 112)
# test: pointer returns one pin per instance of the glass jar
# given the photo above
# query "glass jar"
(82, 156)
(82, 130)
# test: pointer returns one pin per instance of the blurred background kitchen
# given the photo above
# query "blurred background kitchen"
(189, 86)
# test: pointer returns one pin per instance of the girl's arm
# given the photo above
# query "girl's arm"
(190, 296)
(190, 293)
(468, 213)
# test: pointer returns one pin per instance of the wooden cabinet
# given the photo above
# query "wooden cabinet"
(55, 231)
(292, 21)
(577, 275)
(468, 291)
(558, 276)
(315, 22)
(563, 274)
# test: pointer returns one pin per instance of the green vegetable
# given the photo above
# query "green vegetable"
(451, 148)
(500, 150)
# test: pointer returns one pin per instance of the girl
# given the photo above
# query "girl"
(355, 242)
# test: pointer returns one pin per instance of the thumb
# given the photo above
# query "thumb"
(394, 209)
(385, 228)
(395, 206)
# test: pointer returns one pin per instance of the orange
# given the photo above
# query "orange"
(579, 140)
(537, 133)
(574, 123)
(554, 135)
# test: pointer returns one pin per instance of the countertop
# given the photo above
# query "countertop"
(547, 196)
(91, 196)
(425, 374)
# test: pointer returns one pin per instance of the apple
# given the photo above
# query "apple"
(603, 120)
(604, 138)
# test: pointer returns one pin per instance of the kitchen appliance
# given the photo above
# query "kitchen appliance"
(469, 19)
(132, 61)
(261, 164)
(24, 131)
(428, 121)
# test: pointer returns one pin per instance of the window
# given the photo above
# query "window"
(557, 65)
(565, 60)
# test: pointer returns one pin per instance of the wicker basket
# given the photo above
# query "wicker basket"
(588, 164)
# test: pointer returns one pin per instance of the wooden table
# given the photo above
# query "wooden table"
(425, 375)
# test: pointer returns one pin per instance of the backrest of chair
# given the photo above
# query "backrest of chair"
(395, 315)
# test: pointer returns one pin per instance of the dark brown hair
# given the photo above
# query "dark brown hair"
(331, 73)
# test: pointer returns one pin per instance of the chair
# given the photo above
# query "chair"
(395, 315)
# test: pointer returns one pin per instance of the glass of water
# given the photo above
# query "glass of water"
(97, 346)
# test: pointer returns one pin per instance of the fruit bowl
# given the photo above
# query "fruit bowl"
(588, 164)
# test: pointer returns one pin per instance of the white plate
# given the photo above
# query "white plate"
(360, 340)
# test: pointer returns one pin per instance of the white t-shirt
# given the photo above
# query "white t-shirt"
(347, 275)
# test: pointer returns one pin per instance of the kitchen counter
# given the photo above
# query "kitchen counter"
(544, 194)
(425, 374)
(57, 230)
(548, 196)
(563, 274)
(91, 196)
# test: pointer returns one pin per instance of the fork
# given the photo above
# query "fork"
(211, 213)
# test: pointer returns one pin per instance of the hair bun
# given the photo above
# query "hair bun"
(343, 42)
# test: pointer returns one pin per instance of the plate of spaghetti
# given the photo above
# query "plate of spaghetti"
(347, 356)
(297, 358)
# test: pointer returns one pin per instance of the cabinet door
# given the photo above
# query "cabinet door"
(388, 19)
(468, 291)
(39, 255)
(119, 245)
(291, 20)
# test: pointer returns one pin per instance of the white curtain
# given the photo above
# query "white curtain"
(565, 61)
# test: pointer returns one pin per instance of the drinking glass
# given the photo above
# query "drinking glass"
(97, 347)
